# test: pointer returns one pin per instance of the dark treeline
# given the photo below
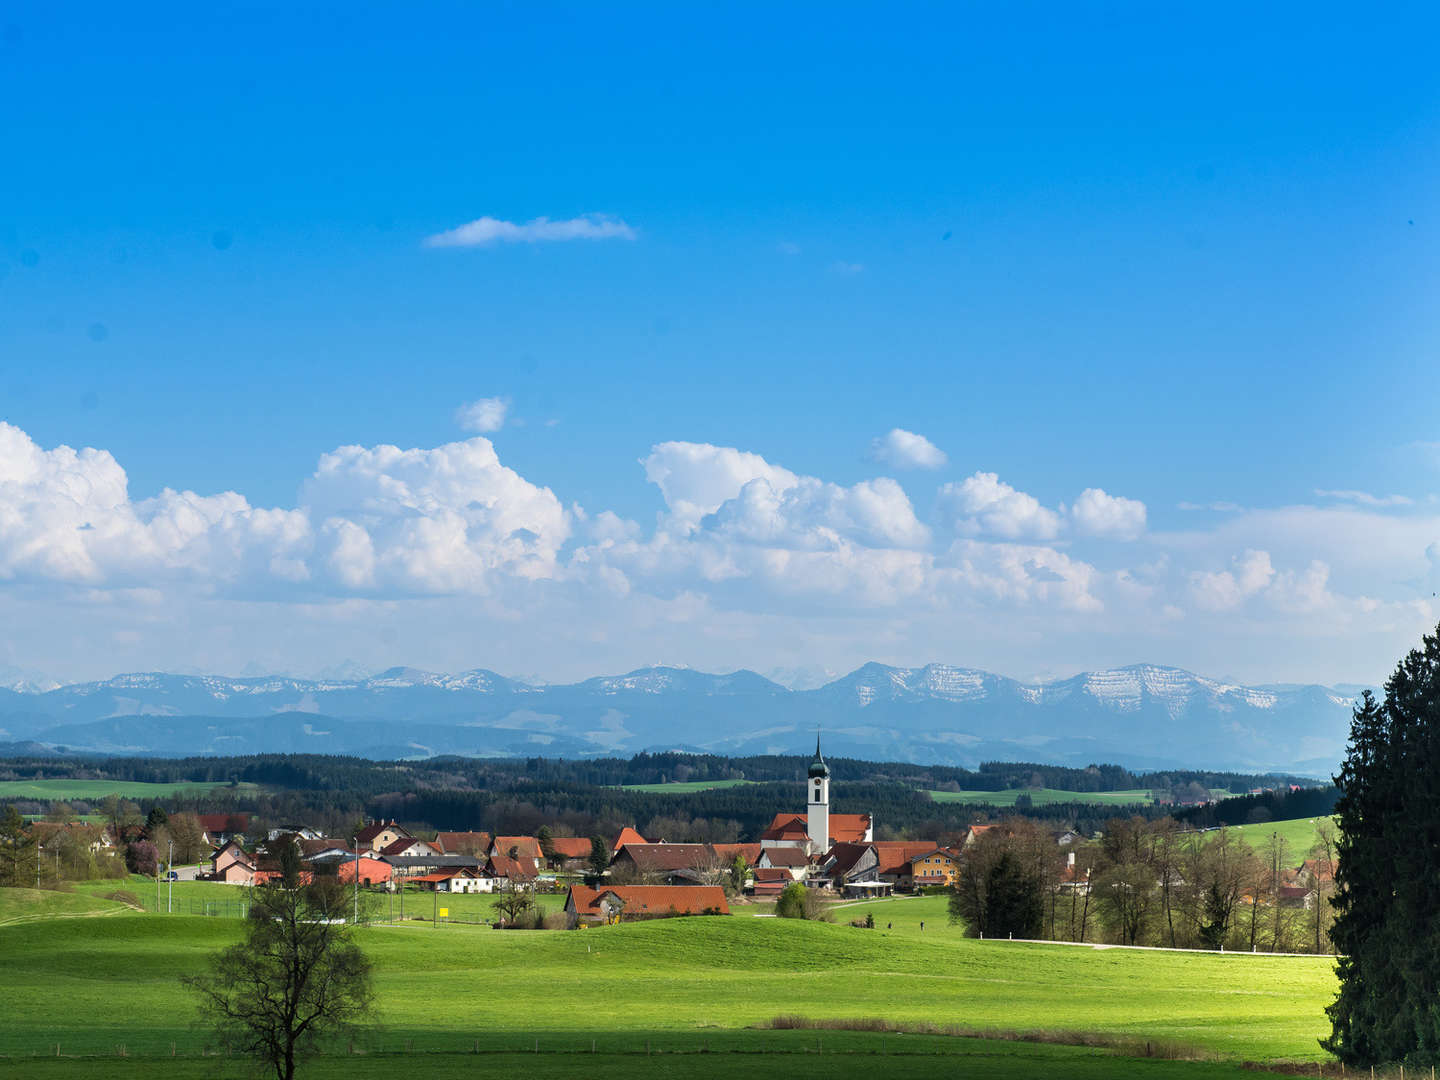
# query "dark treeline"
(335, 773)
(1285, 805)
(517, 796)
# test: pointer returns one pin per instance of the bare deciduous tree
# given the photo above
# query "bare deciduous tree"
(296, 981)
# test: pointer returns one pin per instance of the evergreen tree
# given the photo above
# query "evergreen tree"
(19, 850)
(1388, 873)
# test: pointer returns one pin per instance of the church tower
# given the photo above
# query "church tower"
(817, 812)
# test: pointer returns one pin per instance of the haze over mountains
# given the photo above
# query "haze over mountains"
(1142, 716)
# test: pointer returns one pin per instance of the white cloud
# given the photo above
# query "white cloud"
(443, 520)
(469, 562)
(484, 416)
(984, 504)
(1365, 498)
(1225, 590)
(696, 478)
(1097, 514)
(488, 231)
(903, 449)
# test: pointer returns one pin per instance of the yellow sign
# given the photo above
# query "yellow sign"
(444, 912)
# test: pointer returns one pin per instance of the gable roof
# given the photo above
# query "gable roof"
(521, 869)
(651, 899)
(224, 823)
(369, 832)
(843, 858)
(947, 852)
(666, 858)
(785, 856)
(844, 828)
(627, 836)
(526, 846)
(570, 847)
(774, 873)
(749, 852)
(895, 855)
(405, 843)
(462, 843)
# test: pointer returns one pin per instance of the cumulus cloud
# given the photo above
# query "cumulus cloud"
(1097, 514)
(483, 416)
(450, 541)
(984, 504)
(441, 520)
(903, 449)
(696, 478)
(489, 231)
(1225, 590)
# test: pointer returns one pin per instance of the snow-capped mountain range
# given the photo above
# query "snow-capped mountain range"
(1144, 716)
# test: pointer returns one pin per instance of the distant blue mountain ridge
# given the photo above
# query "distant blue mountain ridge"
(1143, 716)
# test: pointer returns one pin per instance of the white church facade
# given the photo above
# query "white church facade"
(818, 830)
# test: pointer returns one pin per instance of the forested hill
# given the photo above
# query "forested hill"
(515, 797)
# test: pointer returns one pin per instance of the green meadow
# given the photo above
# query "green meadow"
(686, 788)
(1045, 796)
(98, 789)
(1299, 835)
(681, 989)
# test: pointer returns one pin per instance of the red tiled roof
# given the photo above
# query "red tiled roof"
(502, 866)
(663, 858)
(526, 846)
(844, 828)
(226, 823)
(749, 852)
(570, 847)
(895, 855)
(652, 899)
(776, 873)
(463, 843)
(627, 836)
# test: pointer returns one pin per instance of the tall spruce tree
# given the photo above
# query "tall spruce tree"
(1387, 899)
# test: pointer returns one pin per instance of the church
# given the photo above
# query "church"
(818, 830)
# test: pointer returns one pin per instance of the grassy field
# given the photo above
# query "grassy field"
(1299, 835)
(1044, 796)
(31, 905)
(678, 985)
(98, 789)
(684, 788)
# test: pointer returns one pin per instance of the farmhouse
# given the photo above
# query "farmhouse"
(372, 871)
(570, 852)
(674, 864)
(233, 865)
(516, 847)
(794, 862)
(378, 835)
(463, 843)
(410, 847)
(220, 829)
(938, 867)
(627, 836)
(627, 903)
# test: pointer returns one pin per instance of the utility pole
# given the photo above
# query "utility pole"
(356, 842)
(170, 888)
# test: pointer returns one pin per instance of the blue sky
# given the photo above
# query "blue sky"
(1182, 258)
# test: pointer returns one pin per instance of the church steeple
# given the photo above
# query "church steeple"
(817, 810)
(818, 768)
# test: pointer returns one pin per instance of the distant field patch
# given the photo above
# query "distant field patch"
(686, 787)
(1045, 796)
(98, 789)
(1299, 835)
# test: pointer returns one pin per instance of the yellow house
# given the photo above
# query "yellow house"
(938, 867)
